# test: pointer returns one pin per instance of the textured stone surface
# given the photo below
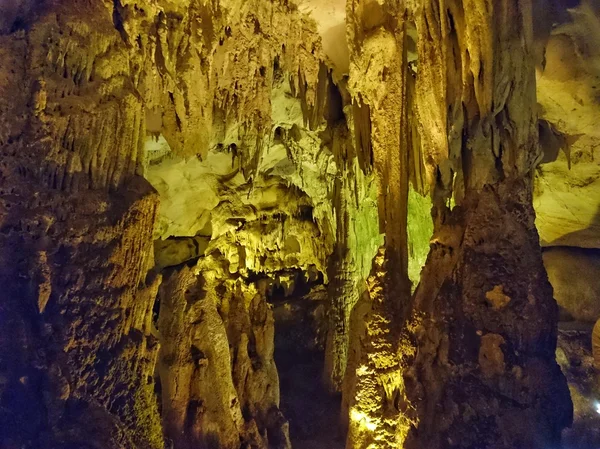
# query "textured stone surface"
(466, 351)
(490, 354)
(93, 94)
(78, 289)
(568, 78)
(217, 375)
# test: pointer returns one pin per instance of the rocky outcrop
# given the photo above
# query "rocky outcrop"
(488, 333)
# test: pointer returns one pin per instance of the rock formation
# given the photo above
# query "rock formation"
(596, 344)
(185, 185)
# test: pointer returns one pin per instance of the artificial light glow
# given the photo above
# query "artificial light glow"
(363, 419)
(597, 407)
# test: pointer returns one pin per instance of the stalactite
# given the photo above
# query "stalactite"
(362, 130)
(357, 234)
(417, 170)
(91, 99)
(342, 288)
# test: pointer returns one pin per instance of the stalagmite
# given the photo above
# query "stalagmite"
(342, 287)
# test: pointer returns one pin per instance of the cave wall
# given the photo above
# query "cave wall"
(77, 341)
(566, 181)
(574, 275)
(566, 199)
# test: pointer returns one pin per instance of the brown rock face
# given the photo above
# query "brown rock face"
(217, 376)
(78, 290)
(480, 367)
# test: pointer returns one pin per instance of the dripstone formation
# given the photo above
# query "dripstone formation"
(198, 196)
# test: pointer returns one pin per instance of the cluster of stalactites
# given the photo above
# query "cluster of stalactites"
(224, 59)
(98, 73)
(474, 99)
(467, 84)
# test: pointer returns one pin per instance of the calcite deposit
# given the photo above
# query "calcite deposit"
(275, 224)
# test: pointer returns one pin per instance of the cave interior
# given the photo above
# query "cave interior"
(277, 224)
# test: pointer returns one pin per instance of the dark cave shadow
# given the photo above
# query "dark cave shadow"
(311, 410)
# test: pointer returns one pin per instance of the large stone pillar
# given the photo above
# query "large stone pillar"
(469, 362)
(377, 34)
(484, 318)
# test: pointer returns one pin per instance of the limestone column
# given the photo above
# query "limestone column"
(484, 321)
(377, 34)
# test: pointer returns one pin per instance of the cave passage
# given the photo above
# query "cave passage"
(300, 331)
